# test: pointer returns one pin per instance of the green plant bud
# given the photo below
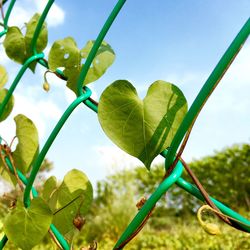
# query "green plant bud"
(46, 86)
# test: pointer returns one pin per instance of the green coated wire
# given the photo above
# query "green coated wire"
(3, 241)
(225, 210)
(150, 203)
(6, 18)
(70, 109)
(17, 79)
(201, 98)
(20, 175)
(64, 244)
(82, 97)
(189, 188)
(49, 142)
(97, 44)
(39, 26)
(206, 90)
(91, 105)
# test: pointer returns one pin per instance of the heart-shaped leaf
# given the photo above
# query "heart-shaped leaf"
(26, 227)
(72, 198)
(142, 128)
(28, 146)
(8, 108)
(14, 44)
(18, 47)
(3, 76)
(65, 53)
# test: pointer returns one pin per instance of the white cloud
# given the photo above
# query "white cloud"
(4, 58)
(232, 93)
(20, 15)
(224, 119)
(114, 159)
(40, 111)
(55, 16)
(24, 10)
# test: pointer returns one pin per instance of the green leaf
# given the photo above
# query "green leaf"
(73, 197)
(142, 128)
(1, 230)
(26, 227)
(8, 108)
(43, 35)
(6, 176)
(65, 53)
(18, 47)
(42, 39)
(3, 76)
(104, 58)
(72, 75)
(14, 44)
(28, 145)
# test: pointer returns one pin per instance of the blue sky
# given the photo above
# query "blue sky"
(177, 41)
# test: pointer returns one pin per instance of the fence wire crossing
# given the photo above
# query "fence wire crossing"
(84, 96)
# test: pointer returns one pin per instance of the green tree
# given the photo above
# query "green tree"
(226, 175)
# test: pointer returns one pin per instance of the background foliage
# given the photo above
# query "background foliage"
(173, 224)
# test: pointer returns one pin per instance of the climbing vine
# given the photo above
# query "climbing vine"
(158, 124)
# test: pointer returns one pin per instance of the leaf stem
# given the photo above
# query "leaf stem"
(1, 7)
(55, 239)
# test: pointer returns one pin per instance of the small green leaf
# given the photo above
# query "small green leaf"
(3, 76)
(28, 145)
(74, 196)
(14, 44)
(42, 39)
(6, 176)
(142, 128)
(49, 186)
(8, 108)
(26, 227)
(64, 53)
(103, 60)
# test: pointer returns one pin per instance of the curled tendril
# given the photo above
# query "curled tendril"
(210, 228)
